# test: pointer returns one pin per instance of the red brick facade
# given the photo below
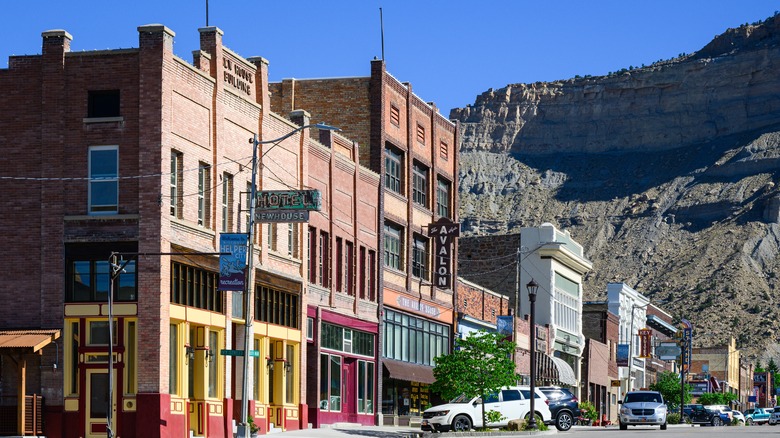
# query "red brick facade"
(387, 115)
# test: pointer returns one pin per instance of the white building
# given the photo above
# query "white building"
(631, 307)
(557, 264)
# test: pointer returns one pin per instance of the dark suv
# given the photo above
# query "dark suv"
(699, 414)
(564, 406)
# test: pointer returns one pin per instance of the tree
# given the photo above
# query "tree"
(716, 398)
(668, 384)
(480, 364)
(772, 366)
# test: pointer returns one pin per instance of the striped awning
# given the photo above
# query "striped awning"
(551, 370)
(565, 373)
(29, 341)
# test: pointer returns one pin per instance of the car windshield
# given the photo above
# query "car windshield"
(638, 397)
(461, 399)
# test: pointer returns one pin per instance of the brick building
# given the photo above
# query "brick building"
(139, 152)
(601, 330)
(414, 149)
(343, 297)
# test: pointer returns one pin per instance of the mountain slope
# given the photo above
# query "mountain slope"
(666, 174)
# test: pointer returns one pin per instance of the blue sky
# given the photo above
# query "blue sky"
(450, 51)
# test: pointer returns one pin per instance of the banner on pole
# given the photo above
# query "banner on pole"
(232, 266)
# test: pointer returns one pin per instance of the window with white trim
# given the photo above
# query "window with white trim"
(204, 188)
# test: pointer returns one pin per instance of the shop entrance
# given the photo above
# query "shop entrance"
(98, 404)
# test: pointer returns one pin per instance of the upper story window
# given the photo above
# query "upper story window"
(292, 240)
(177, 190)
(88, 273)
(323, 266)
(103, 103)
(277, 307)
(420, 184)
(312, 254)
(195, 287)
(271, 236)
(204, 187)
(393, 169)
(420, 257)
(227, 202)
(103, 180)
(393, 253)
(442, 197)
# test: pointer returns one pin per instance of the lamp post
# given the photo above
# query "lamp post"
(532, 289)
(243, 428)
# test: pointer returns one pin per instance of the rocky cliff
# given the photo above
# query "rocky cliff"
(666, 174)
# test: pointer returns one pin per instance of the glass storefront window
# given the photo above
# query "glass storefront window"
(330, 382)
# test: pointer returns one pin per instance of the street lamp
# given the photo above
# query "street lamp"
(243, 428)
(532, 288)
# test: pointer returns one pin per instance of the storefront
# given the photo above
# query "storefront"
(342, 362)
(411, 344)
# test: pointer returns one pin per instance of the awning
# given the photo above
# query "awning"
(565, 373)
(411, 372)
(26, 341)
(662, 326)
(546, 371)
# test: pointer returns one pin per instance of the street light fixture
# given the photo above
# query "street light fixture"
(532, 288)
(243, 428)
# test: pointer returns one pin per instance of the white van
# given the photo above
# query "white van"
(463, 413)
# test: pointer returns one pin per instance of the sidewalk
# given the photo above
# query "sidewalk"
(342, 430)
(353, 430)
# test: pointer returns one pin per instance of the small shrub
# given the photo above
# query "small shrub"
(494, 417)
(673, 418)
(587, 410)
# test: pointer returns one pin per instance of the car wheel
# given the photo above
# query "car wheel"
(623, 426)
(663, 426)
(716, 421)
(564, 421)
(461, 423)
(749, 421)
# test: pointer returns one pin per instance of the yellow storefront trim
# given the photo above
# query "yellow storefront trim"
(71, 404)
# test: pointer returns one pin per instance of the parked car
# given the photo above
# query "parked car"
(757, 416)
(564, 406)
(640, 408)
(465, 412)
(774, 419)
(738, 416)
(698, 414)
(726, 414)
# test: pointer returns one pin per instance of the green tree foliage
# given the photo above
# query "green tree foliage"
(668, 384)
(716, 398)
(480, 364)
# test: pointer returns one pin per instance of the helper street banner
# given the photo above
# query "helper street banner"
(232, 267)
(443, 232)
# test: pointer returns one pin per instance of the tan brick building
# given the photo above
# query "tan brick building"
(139, 152)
